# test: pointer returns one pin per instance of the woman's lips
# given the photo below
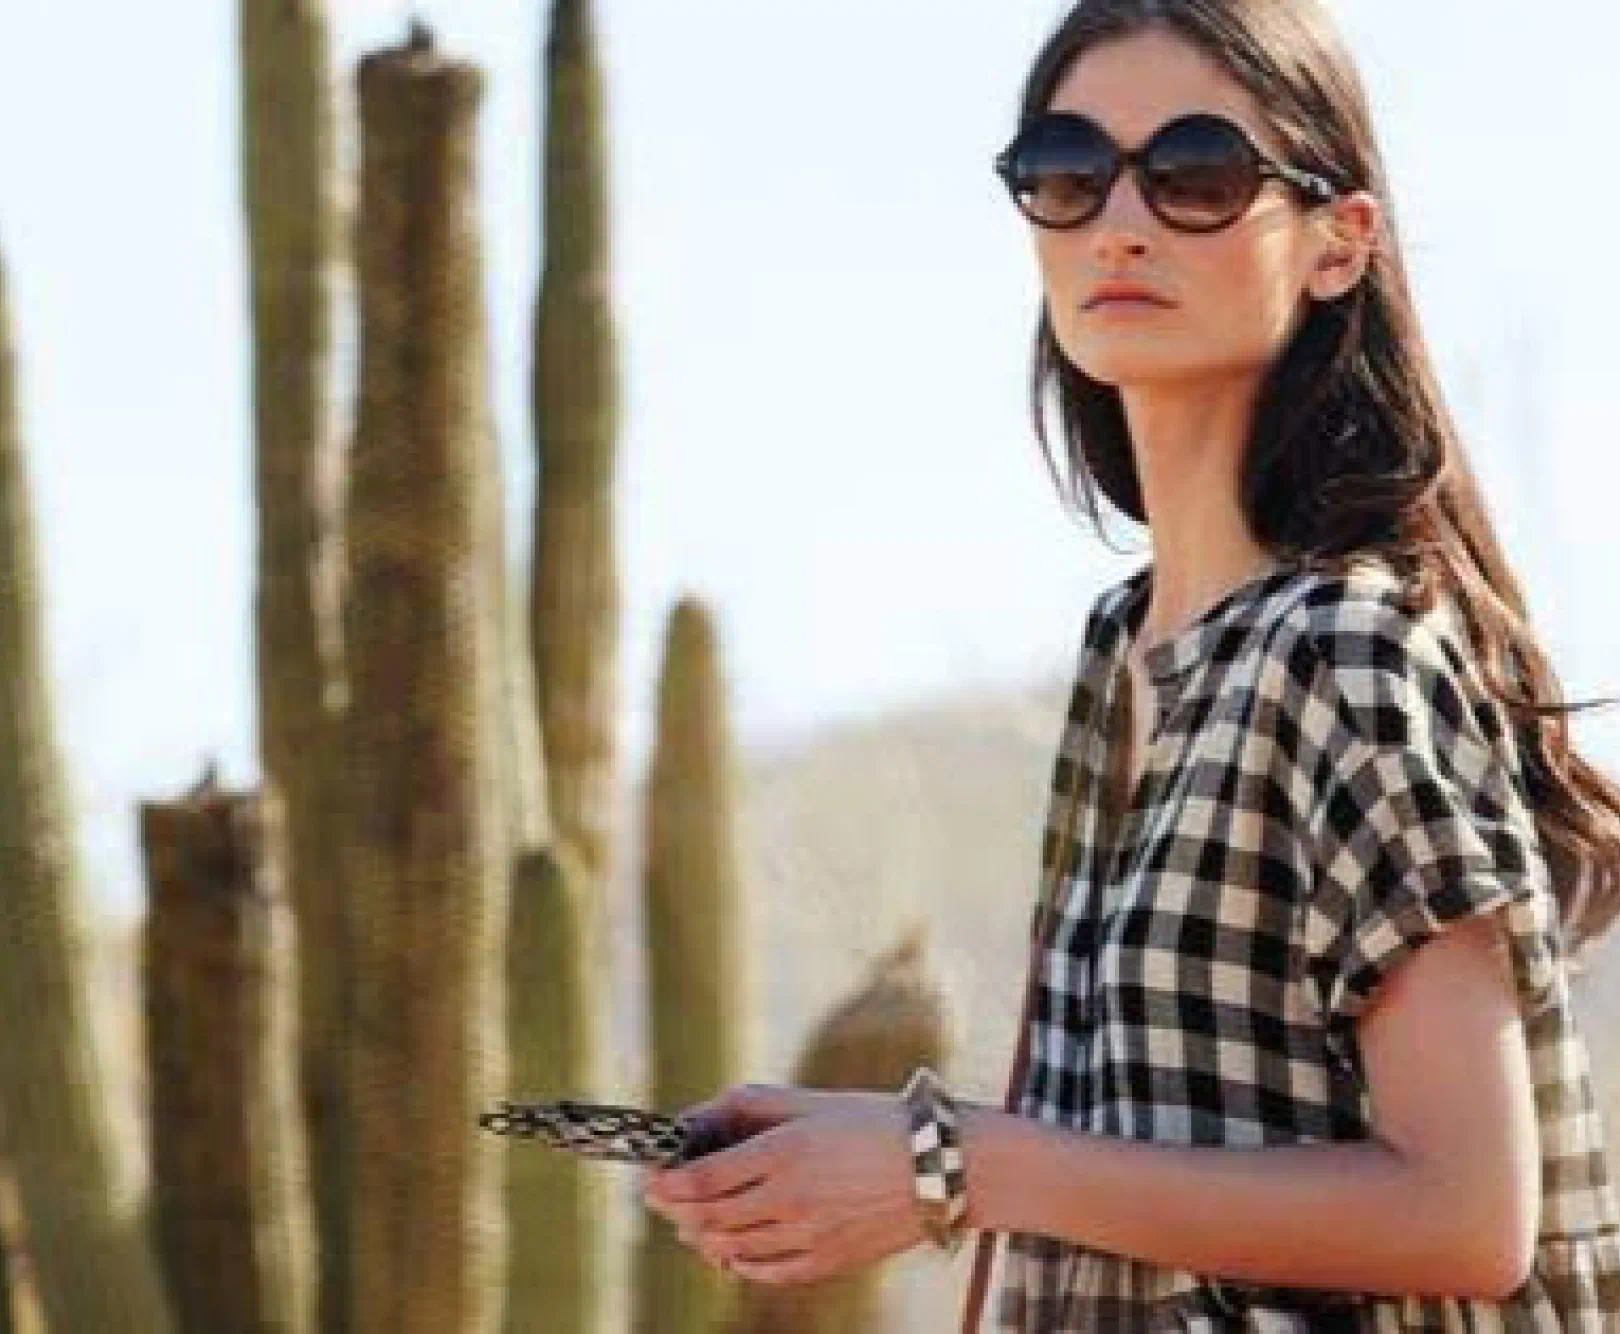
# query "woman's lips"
(1121, 289)
(1122, 305)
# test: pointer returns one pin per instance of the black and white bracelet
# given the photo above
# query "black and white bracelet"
(936, 1158)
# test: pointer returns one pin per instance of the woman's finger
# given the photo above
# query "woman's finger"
(787, 1269)
(749, 1207)
(764, 1241)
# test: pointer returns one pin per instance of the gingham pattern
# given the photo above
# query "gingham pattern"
(1328, 786)
(936, 1155)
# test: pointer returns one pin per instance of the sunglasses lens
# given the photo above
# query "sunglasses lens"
(1200, 174)
(1059, 171)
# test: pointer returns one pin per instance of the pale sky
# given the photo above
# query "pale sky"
(825, 302)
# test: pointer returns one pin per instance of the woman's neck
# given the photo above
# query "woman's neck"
(1187, 443)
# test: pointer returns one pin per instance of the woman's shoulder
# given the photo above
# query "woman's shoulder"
(1371, 638)
(1364, 601)
(1377, 665)
(1350, 657)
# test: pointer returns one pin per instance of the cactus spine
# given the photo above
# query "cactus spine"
(424, 857)
(698, 985)
(230, 1195)
(289, 201)
(58, 1138)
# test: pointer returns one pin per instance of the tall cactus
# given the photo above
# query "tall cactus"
(699, 988)
(894, 1021)
(574, 607)
(423, 856)
(229, 1185)
(557, 931)
(91, 1260)
(552, 1013)
(289, 199)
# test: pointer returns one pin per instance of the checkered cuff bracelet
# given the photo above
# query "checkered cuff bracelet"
(936, 1158)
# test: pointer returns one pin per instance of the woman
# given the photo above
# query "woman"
(1298, 1051)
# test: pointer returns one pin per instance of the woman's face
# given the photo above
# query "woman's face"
(1237, 294)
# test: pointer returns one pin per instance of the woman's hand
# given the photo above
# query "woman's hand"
(819, 1184)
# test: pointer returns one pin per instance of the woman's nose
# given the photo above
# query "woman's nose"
(1125, 221)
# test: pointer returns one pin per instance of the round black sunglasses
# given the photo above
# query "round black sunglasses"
(1197, 173)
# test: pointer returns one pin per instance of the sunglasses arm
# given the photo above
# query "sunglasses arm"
(1319, 188)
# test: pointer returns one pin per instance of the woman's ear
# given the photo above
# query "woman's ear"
(1348, 232)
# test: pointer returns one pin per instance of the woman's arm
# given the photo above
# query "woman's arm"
(1445, 1201)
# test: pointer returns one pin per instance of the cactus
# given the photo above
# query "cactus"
(548, 989)
(10, 1254)
(573, 634)
(556, 1202)
(19, 1303)
(229, 1189)
(893, 1022)
(699, 988)
(9, 1282)
(423, 851)
(523, 775)
(289, 191)
(574, 604)
(58, 1135)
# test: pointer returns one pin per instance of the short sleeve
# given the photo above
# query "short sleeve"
(1420, 819)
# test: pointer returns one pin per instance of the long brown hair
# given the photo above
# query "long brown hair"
(1351, 448)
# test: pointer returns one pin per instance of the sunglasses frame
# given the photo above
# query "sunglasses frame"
(1317, 189)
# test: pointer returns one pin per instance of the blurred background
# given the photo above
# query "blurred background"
(823, 305)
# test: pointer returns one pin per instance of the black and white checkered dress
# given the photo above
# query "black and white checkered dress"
(1324, 791)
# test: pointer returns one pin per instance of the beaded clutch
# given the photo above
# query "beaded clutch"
(603, 1130)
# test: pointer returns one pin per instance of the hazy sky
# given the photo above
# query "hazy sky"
(825, 302)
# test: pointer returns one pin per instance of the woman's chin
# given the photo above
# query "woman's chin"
(1117, 367)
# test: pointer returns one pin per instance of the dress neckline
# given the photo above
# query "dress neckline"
(1174, 654)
